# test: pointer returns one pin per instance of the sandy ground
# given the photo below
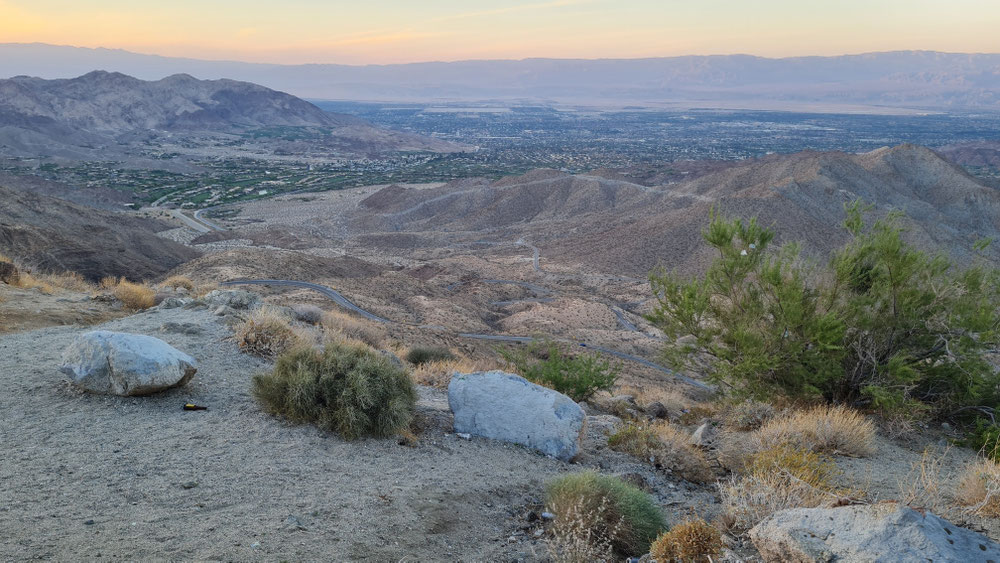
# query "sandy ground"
(96, 478)
(28, 309)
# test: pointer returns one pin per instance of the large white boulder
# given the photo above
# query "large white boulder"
(878, 532)
(507, 407)
(118, 363)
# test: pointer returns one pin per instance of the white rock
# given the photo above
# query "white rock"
(703, 436)
(507, 407)
(118, 363)
(878, 532)
(234, 298)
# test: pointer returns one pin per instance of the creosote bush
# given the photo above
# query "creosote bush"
(346, 388)
(883, 326)
(266, 333)
(577, 375)
(692, 541)
(663, 445)
(608, 509)
(828, 429)
(422, 354)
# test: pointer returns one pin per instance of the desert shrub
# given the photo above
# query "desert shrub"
(747, 415)
(605, 510)
(341, 324)
(830, 429)
(175, 282)
(776, 478)
(693, 541)
(921, 488)
(552, 365)
(979, 488)
(422, 354)
(349, 389)
(882, 325)
(665, 446)
(134, 296)
(266, 333)
(310, 314)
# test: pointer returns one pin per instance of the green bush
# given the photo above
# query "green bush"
(884, 325)
(604, 510)
(425, 354)
(551, 365)
(349, 389)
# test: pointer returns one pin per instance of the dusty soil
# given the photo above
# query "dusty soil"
(88, 477)
(29, 309)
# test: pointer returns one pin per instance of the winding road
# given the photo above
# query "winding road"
(339, 299)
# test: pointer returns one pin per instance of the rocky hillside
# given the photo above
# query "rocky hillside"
(55, 235)
(616, 225)
(101, 110)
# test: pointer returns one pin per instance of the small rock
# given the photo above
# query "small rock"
(88, 523)
(548, 516)
(703, 436)
(463, 435)
(255, 545)
(538, 533)
(293, 522)
(945, 426)
(636, 480)
(189, 485)
(173, 303)
(181, 328)
(656, 410)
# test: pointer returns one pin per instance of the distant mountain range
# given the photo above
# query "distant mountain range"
(101, 110)
(924, 80)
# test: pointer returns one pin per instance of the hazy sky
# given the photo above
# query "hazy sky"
(379, 31)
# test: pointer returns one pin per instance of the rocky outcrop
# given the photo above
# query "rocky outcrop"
(232, 298)
(507, 407)
(880, 532)
(118, 363)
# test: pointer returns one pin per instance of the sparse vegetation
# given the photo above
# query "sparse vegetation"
(341, 324)
(828, 429)
(884, 325)
(419, 355)
(663, 445)
(345, 388)
(748, 415)
(577, 375)
(437, 373)
(604, 510)
(265, 332)
(309, 314)
(692, 541)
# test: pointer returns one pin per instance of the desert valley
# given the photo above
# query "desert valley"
(490, 311)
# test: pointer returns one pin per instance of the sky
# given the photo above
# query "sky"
(379, 31)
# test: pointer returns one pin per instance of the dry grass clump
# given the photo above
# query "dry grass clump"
(922, 486)
(133, 296)
(693, 541)
(310, 314)
(423, 354)
(337, 323)
(599, 517)
(345, 388)
(666, 446)
(748, 415)
(174, 282)
(437, 373)
(29, 281)
(979, 488)
(267, 333)
(829, 429)
(780, 477)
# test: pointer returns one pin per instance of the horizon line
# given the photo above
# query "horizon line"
(523, 59)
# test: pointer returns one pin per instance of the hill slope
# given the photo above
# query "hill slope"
(618, 226)
(56, 235)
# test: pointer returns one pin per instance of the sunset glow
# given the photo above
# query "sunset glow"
(305, 31)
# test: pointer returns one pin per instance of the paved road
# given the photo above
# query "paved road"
(189, 221)
(326, 291)
(345, 303)
(210, 224)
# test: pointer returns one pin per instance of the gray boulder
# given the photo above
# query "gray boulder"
(232, 298)
(507, 407)
(118, 363)
(878, 532)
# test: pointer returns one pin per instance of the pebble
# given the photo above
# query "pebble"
(88, 523)
(548, 516)
(464, 436)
